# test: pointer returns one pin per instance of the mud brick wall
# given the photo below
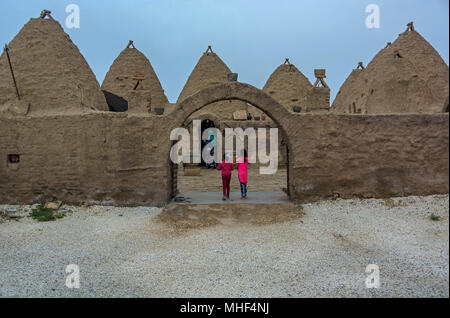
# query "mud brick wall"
(370, 156)
(123, 159)
(98, 158)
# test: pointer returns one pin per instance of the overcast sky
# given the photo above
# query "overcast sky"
(251, 36)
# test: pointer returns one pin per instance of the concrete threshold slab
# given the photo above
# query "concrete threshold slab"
(260, 197)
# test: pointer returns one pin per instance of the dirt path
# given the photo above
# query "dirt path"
(210, 181)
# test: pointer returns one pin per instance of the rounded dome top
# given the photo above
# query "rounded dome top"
(288, 86)
(125, 71)
(210, 70)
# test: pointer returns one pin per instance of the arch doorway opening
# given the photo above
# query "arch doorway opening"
(231, 105)
(207, 125)
(202, 183)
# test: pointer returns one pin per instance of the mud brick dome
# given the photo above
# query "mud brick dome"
(60, 141)
(288, 86)
(407, 76)
(129, 66)
(210, 70)
(51, 74)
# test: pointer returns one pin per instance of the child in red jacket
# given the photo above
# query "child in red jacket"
(226, 167)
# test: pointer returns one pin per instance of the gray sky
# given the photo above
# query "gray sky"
(251, 36)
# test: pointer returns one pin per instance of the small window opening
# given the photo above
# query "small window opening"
(13, 158)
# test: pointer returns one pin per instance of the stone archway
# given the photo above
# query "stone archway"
(234, 91)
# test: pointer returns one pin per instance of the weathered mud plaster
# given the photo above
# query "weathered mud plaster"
(72, 149)
(121, 159)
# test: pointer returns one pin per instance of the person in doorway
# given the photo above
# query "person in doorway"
(226, 167)
(210, 144)
(242, 163)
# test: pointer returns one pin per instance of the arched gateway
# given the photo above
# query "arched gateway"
(232, 91)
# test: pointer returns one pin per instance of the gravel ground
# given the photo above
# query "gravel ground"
(129, 252)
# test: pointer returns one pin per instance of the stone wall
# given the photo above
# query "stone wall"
(123, 159)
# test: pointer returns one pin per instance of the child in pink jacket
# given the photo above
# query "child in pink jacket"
(242, 173)
(226, 167)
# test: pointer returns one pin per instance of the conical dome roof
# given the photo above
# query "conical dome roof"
(394, 86)
(288, 86)
(350, 93)
(352, 96)
(121, 77)
(407, 76)
(50, 72)
(210, 70)
(427, 61)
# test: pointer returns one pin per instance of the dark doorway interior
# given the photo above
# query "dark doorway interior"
(115, 103)
(206, 124)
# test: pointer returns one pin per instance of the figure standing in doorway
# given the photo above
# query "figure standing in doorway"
(210, 144)
(242, 162)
